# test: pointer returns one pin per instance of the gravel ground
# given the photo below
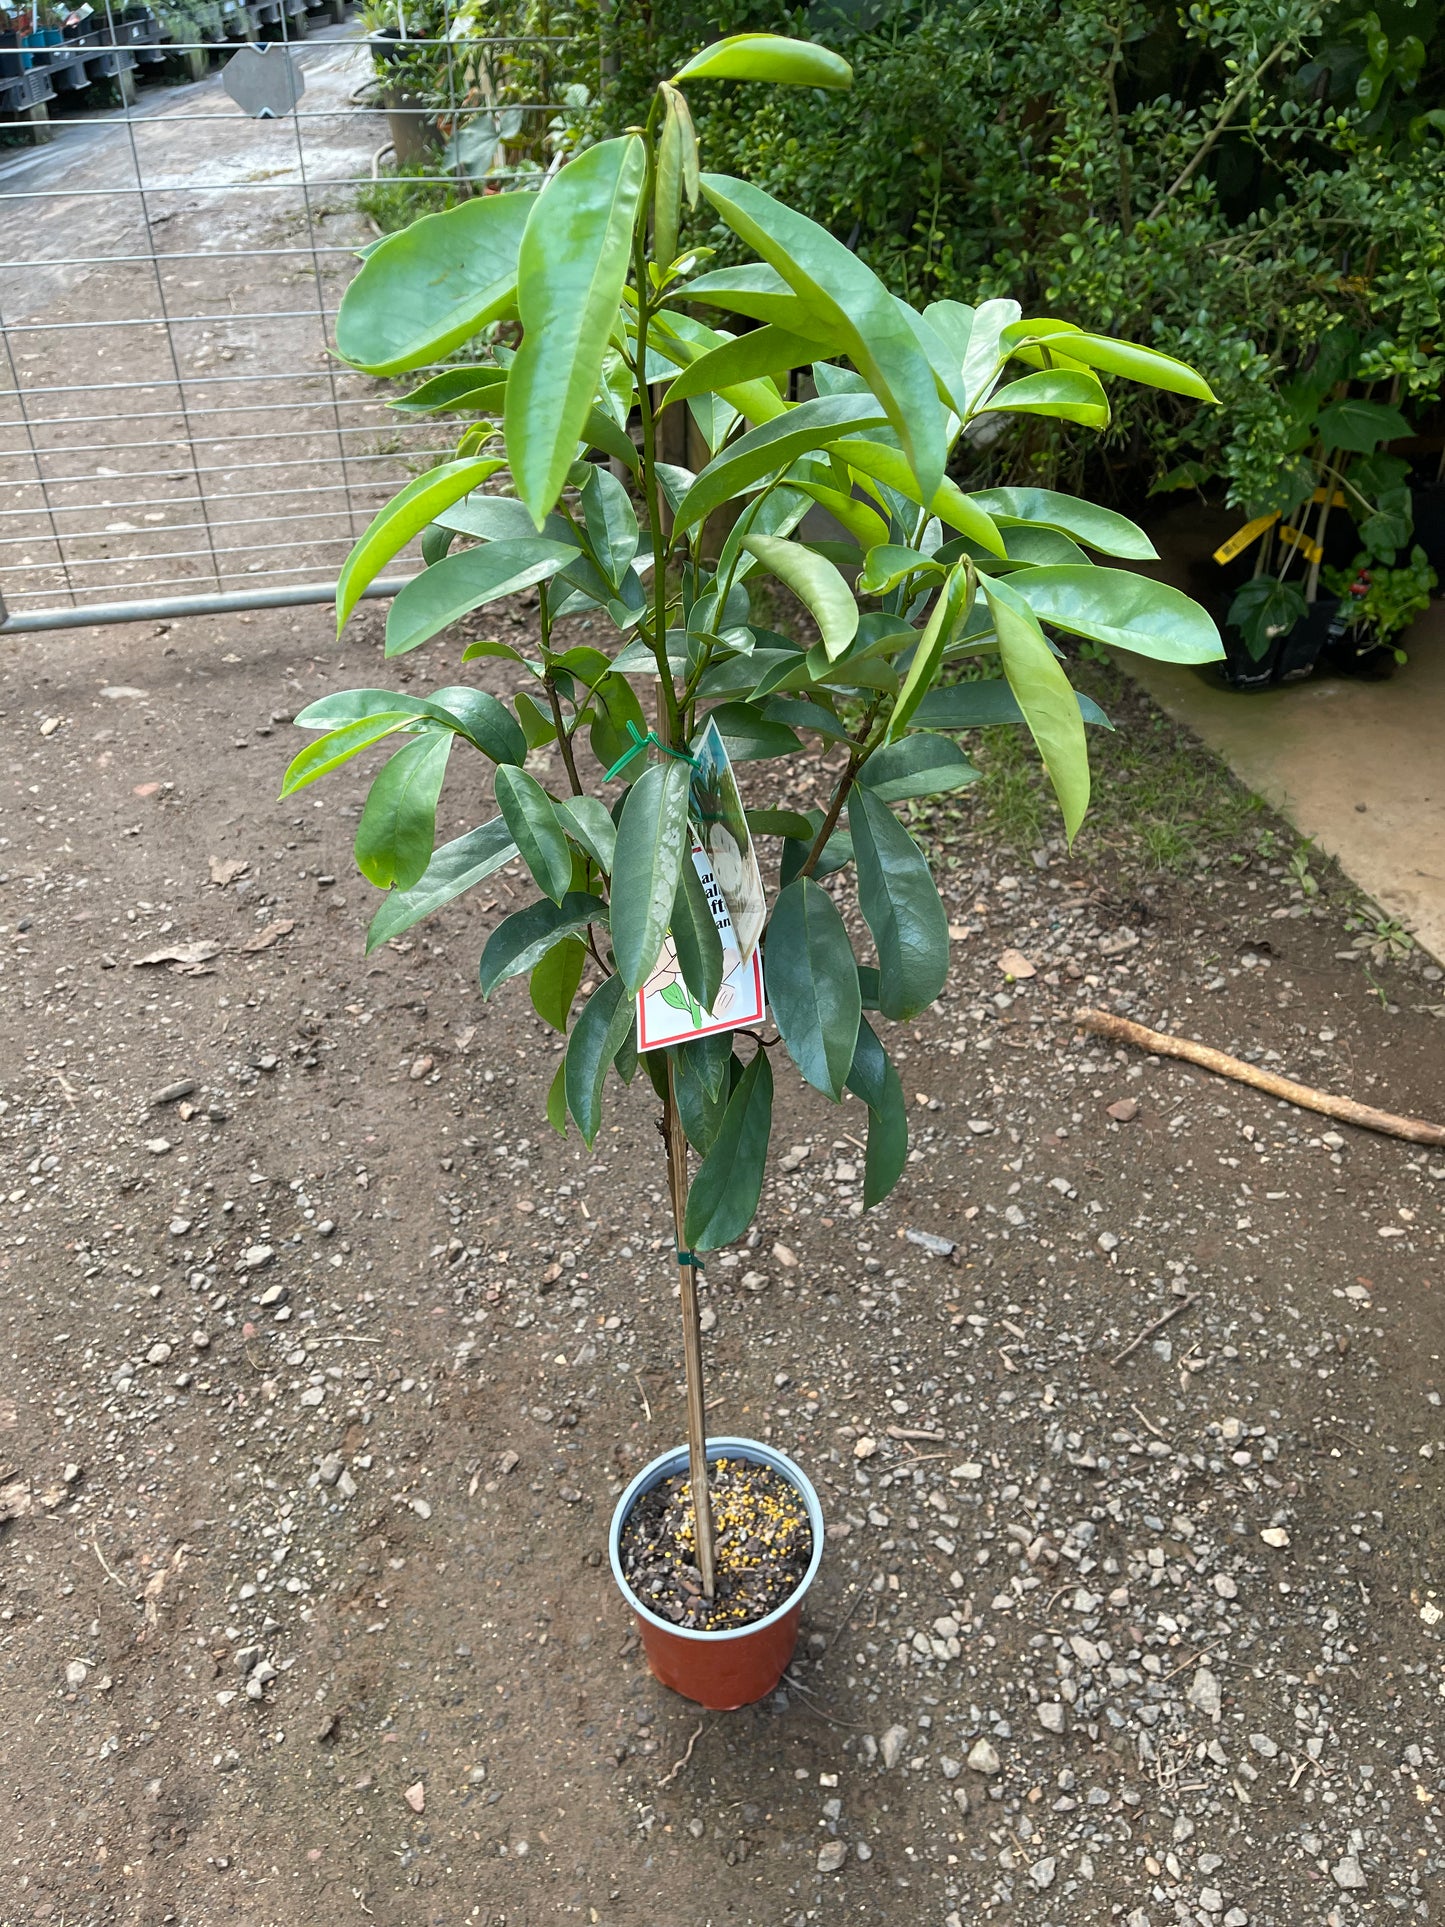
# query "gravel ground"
(322, 1360)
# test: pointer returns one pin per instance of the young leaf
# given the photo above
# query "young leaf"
(889, 564)
(477, 715)
(919, 764)
(813, 984)
(596, 1038)
(948, 501)
(667, 187)
(729, 1181)
(652, 845)
(695, 937)
(554, 981)
(1046, 698)
(879, 340)
(570, 273)
(404, 516)
(816, 584)
(762, 351)
(767, 56)
(470, 390)
(760, 293)
(525, 937)
(454, 868)
(397, 830)
(901, 906)
(773, 447)
(1066, 394)
(1120, 609)
(950, 611)
(331, 751)
(1112, 357)
(536, 830)
(422, 292)
(455, 586)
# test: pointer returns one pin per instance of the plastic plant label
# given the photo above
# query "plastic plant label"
(667, 1011)
(721, 827)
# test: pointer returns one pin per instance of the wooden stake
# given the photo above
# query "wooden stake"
(676, 1139)
(1120, 1030)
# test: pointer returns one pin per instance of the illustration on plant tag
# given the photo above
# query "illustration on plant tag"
(722, 828)
(667, 1011)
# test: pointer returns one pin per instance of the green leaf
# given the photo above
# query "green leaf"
(948, 502)
(1122, 610)
(1126, 358)
(695, 937)
(801, 712)
(1097, 528)
(588, 823)
(761, 293)
(879, 339)
(469, 390)
(955, 600)
(538, 724)
(611, 522)
(525, 937)
(865, 525)
(981, 705)
(557, 1100)
(780, 823)
(616, 705)
(404, 516)
(1065, 394)
(773, 447)
(570, 274)
(397, 830)
(748, 735)
(874, 1079)
(813, 984)
(835, 854)
(919, 764)
(768, 56)
(477, 715)
(1264, 608)
(901, 906)
(422, 292)
(889, 564)
(724, 1193)
(331, 751)
(816, 584)
(554, 981)
(677, 132)
(453, 587)
(700, 1085)
(761, 352)
(536, 830)
(1360, 426)
(652, 845)
(454, 868)
(1046, 698)
(597, 1036)
(712, 1059)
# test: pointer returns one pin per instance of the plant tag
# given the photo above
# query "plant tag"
(721, 827)
(1297, 539)
(668, 1013)
(1241, 539)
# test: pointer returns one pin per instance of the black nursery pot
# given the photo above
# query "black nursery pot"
(1290, 657)
(1429, 506)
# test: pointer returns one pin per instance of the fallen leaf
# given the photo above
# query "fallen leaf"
(415, 1797)
(225, 869)
(264, 939)
(1124, 1110)
(189, 954)
(1013, 963)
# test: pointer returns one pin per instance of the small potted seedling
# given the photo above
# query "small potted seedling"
(633, 828)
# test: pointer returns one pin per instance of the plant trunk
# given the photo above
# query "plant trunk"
(676, 1140)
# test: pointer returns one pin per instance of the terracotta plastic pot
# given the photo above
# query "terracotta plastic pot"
(720, 1670)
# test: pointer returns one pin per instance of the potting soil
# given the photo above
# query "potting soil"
(762, 1545)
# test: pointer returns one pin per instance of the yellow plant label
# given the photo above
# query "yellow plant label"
(1297, 539)
(1241, 539)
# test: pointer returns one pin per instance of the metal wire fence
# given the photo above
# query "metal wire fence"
(176, 432)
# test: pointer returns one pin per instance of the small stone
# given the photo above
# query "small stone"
(415, 1797)
(1013, 963)
(1204, 1693)
(1225, 1586)
(864, 1448)
(983, 1757)
(980, 1126)
(420, 1508)
(158, 1146)
(1348, 1873)
(1211, 1900)
(173, 1093)
(832, 1856)
(313, 1395)
(178, 1227)
(1275, 1536)
(1106, 1241)
(961, 1799)
(158, 1354)
(891, 1746)
(76, 1674)
(257, 1257)
(420, 1067)
(330, 1468)
(1051, 1716)
(200, 1341)
(272, 1295)
(1264, 1746)
(785, 1256)
(347, 1486)
(71, 1473)
(863, 1851)
(1124, 1110)
(1042, 1872)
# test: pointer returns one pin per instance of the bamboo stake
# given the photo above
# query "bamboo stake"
(676, 1140)
(1120, 1030)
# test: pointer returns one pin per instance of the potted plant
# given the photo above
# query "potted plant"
(638, 840)
(1374, 607)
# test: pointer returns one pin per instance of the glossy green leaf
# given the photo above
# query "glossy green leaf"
(460, 583)
(615, 705)
(667, 184)
(597, 1036)
(761, 352)
(1264, 608)
(919, 764)
(780, 823)
(835, 854)
(469, 390)
(397, 831)
(725, 1191)
(329, 752)
(1360, 426)
(695, 937)
(748, 735)
(424, 291)
(539, 726)
(889, 564)
(471, 712)
(1111, 357)
(864, 524)
(700, 1085)
(455, 867)
(1064, 394)
(554, 981)
(949, 612)
(816, 584)
(874, 1079)
(901, 907)
(525, 937)
(1122, 610)
(760, 293)
(610, 521)
(588, 823)
(557, 1100)
(1104, 530)
(536, 830)
(1046, 698)
(948, 502)
(405, 515)
(981, 705)
(768, 56)
(799, 712)
(570, 273)
(813, 984)
(879, 340)
(772, 447)
(652, 845)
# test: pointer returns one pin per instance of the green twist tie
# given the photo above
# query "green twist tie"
(688, 1258)
(639, 744)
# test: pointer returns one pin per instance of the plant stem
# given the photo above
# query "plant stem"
(1241, 92)
(676, 1141)
(856, 760)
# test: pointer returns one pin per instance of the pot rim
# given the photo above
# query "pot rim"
(675, 1460)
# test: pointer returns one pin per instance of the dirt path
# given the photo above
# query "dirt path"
(317, 1384)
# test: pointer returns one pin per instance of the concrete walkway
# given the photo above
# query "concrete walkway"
(1358, 766)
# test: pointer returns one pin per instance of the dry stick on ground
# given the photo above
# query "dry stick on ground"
(1158, 1325)
(1120, 1030)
